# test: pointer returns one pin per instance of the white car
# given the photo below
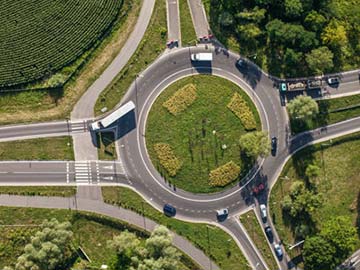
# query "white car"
(263, 212)
(222, 214)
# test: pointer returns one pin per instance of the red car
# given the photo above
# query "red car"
(258, 189)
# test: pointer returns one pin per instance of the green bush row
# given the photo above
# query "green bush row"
(181, 99)
(242, 110)
(167, 158)
(224, 174)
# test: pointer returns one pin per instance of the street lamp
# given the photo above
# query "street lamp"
(68, 129)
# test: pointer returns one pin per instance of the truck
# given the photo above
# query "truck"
(300, 85)
(201, 57)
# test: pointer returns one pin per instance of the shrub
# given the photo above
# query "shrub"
(241, 109)
(181, 99)
(224, 174)
(167, 158)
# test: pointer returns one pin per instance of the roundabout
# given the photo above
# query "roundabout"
(204, 135)
(164, 72)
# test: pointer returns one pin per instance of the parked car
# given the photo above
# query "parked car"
(169, 210)
(278, 251)
(273, 146)
(258, 189)
(263, 212)
(269, 234)
(333, 80)
(222, 214)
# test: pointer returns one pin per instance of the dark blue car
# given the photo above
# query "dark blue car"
(169, 210)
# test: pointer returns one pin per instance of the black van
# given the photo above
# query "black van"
(169, 210)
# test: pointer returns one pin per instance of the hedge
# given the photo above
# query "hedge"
(241, 109)
(224, 174)
(181, 99)
(167, 158)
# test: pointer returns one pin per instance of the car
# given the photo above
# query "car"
(258, 189)
(169, 210)
(222, 214)
(273, 145)
(269, 234)
(333, 80)
(283, 87)
(241, 63)
(263, 212)
(278, 251)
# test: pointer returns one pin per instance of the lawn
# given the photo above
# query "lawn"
(42, 105)
(331, 111)
(152, 44)
(198, 133)
(224, 251)
(91, 232)
(256, 233)
(107, 149)
(39, 191)
(339, 182)
(188, 35)
(56, 148)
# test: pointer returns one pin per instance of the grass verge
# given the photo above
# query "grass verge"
(35, 106)
(225, 253)
(107, 149)
(198, 134)
(57, 148)
(339, 181)
(91, 232)
(188, 35)
(39, 191)
(152, 44)
(256, 233)
(331, 111)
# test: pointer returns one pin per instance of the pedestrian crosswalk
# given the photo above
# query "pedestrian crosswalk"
(88, 172)
(83, 173)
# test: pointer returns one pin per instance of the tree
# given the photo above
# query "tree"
(255, 144)
(126, 246)
(318, 253)
(48, 249)
(158, 252)
(226, 19)
(341, 234)
(248, 31)
(302, 107)
(320, 60)
(292, 60)
(315, 21)
(255, 15)
(293, 8)
(334, 34)
(312, 172)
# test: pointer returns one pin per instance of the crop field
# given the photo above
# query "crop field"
(39, 37)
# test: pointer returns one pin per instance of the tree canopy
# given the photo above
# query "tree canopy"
(157, 252)
(255, 144)
(302, 107)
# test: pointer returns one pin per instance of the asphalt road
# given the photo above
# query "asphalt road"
(198, 16)
(173, 20)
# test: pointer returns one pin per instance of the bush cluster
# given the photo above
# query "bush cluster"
(241, 109)
(167, 158)
(181, 99)
(224, 174)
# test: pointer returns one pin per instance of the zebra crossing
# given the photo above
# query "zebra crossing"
(83, 172)
(93, 172)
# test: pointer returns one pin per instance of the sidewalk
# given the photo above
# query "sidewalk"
(99, 207)
(199, 19)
